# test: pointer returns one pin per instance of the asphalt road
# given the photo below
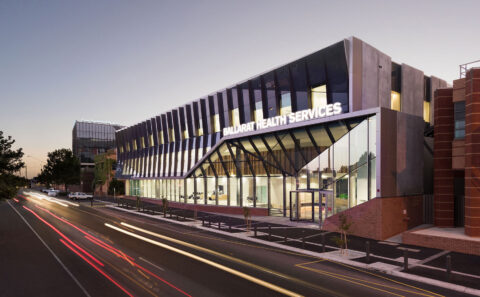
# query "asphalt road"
(52, 248)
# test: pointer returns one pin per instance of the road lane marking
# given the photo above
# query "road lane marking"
(233, 259)
(208, 262)
(158, 267)
(383, 277)
(355, 280)
(345, 279)
(53, 254)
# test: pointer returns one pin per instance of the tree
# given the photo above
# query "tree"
(343, 229)
(118, 185)
(62, 168)
(103, 169)
(10, 162)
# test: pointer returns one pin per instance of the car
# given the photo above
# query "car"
(47, 190)
(52, 193)
(79, 195)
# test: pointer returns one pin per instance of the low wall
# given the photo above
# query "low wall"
(381, 218)
(206, 208)
(443, 243)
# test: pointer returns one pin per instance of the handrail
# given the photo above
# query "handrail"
(464, 68)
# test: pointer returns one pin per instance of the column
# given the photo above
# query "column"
(442, 158)
(472, 153)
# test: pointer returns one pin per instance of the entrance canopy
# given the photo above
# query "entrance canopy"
(275, 153)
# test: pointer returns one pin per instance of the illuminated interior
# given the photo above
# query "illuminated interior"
(395, 101)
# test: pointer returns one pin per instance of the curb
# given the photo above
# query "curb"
(327, 256)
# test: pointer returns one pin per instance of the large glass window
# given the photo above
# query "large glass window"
(211, 191)
(258, 111)
(426, 111)
(340, 161)
(319, 96)
(222, 190)
(276, 196)
(235, 116)
(216, 123)
(358, 145)
(285, 103)
(234, 191)
(459, 116)
(247, 189)
(262, 191)
(395, 101)
(190, 190)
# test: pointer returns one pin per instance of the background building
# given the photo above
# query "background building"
(340, 130)
(89, 139)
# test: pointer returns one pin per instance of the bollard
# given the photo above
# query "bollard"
(285, 239)
(367, 252)
(269, 232)
(255, 231)
(209, 223)
(449, 267)
(230, 228)
(405, 260)
(203, 221)
(219, 227)
(323, 242)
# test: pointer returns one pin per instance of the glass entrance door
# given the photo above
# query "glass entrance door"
(301, 206)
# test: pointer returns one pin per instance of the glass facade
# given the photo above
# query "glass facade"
(261, 170)
(92, 138)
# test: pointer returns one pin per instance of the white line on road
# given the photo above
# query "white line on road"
(208, 262)
(54, 255)
(158, 267)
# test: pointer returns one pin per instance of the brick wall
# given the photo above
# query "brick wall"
(442, 158)
(442, 243)
(472, 153)
(381, 218)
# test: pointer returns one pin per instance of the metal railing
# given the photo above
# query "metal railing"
(464, 68)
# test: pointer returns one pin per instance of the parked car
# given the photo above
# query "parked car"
(79, 195)
(47, 190)
(53, 193)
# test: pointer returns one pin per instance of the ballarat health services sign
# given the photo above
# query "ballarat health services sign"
(294, 117)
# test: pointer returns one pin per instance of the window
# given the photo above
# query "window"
(185, 134)
(395, 101)
(142, 142)
(426, 111)
(285, 104)
(258, 111)
(160, 137)
(235, 116)
(459, 116)
(151, 140)
(170, 135)
(121, 149)
(319, 96)
(134, 144)
(216, 123)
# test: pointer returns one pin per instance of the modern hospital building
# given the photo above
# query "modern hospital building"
(342, 130)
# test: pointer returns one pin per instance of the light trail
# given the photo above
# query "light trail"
(114, 251)
(98, 269)
(64, 236)
(208, 262)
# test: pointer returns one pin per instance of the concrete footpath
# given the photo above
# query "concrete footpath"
(423, 264)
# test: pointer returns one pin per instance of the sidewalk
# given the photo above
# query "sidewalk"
(424, 264)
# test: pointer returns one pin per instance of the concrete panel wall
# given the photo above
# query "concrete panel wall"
(412, 91)
(410, 142)
(376, 75)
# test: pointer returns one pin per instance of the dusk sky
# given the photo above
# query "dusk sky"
(125, 61)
